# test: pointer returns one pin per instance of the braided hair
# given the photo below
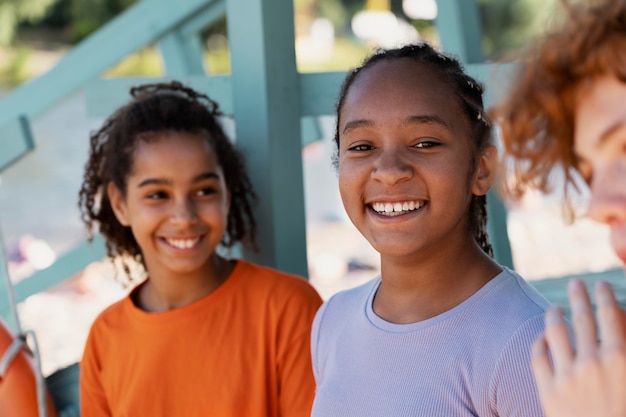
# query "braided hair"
(154, 108)
(469, 94)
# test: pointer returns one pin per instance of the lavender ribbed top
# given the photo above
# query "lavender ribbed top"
(472, 360)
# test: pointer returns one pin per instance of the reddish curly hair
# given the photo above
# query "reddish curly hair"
(537, 116)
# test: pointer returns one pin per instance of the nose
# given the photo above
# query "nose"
(183, 211)
(608, 195)
(391, 167)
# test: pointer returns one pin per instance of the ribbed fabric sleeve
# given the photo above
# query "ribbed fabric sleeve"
(473, 360)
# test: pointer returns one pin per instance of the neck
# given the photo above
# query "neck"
(167, 292)
(418, 289)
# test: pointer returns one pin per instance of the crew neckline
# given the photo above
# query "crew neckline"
(212, 299)
(387, 326)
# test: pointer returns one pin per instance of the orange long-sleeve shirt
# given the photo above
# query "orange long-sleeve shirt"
(242, 351)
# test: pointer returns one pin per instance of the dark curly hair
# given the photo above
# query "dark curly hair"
(537, 115)
(157, 108)
(469, 94)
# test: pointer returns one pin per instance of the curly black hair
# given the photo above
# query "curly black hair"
(469, 93)
(154, 108)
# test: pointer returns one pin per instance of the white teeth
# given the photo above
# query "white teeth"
(183, 243)
(394, 209)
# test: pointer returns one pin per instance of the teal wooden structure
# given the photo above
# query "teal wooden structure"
(271, 103)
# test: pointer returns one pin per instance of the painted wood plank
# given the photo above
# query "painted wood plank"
(555, 289)
(104, 96)
(318, 92)
(17, 141)
(64, 268)
(140, 25)
(459, 29)
(266, 98)
(182, 55)
(204, 18)
(495, 76)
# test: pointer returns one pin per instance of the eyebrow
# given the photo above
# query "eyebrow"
(163, 181)
(604, 137)
(417, 119)
(426, 119)
(610, 131)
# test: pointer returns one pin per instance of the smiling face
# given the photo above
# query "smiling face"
(600, 143)
(405, 174)
(176, 203)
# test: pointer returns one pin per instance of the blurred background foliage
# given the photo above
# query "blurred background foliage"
(36, 33)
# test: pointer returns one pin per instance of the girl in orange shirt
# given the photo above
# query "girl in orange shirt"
(202, 334)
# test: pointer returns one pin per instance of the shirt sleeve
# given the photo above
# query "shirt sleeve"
(297, 384)
(315, 336)
(513, 388)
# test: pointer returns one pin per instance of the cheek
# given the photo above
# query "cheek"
(348, 174)
(216, 211)
(349, 188)
(609, 178)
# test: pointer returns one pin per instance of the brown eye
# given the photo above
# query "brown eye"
(361, 148)
(206, 191)
(157, 195)
(427, 144)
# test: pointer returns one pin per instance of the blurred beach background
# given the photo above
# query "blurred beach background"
(39, 218)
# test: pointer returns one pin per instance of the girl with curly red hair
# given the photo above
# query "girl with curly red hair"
(567, 109)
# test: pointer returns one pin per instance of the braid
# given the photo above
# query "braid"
(478, 212)
(156, 108)
(469, 93)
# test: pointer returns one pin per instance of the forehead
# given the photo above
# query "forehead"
(171, 148)
(600, 109)
(394, 90)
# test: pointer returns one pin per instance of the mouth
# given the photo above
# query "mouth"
(182, 243)
(397, 208)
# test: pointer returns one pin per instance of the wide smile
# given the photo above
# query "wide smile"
(182, 243)
(396, 208)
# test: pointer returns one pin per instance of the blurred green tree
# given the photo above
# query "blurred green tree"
(77, 19)
(509, 25)
(14, 12)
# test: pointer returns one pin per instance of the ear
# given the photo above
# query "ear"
(118, 204)
(485, 171)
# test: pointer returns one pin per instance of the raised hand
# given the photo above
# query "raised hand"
(589, 379)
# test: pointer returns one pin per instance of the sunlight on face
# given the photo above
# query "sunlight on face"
(600, 143)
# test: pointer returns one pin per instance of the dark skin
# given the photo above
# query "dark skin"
(404, 141)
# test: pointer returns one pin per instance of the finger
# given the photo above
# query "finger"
(558, 341)
(585, 330)
(610, 317)
(541, 364)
